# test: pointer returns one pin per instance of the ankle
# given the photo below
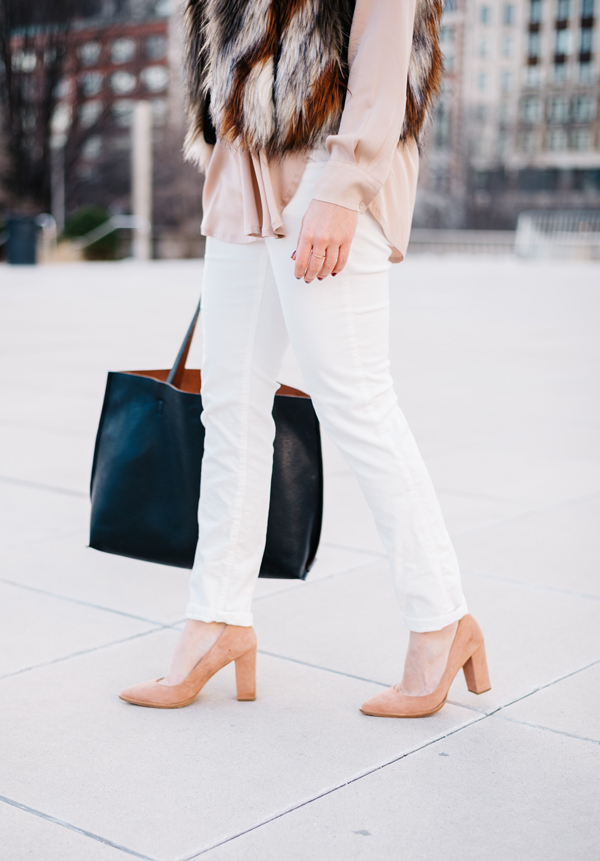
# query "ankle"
(426, 660)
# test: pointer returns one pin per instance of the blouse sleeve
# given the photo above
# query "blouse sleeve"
(363, 149)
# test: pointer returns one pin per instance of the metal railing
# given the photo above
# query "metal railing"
(425, 241)
(571, 234)
(115, 222)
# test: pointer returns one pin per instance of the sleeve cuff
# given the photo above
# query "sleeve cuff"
(346, 185)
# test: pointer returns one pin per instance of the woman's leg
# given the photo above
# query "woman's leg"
(244, 340)
(339, 332)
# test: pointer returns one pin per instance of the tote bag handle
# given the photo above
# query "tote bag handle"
(175, 377)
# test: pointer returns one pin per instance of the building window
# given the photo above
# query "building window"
(449, 64)
(530, 109)
(441, 126)
(24, 61)
(585, 41)
(122, 111)
(155, 78)
(91, 83)
(533, 77)
(156, 47)
(560, 73)
(89, 53)
(483, 48)
(483, 81)
(508, 14)
(508, 46)
(535, 11)
(585, 73)
(159, 111)
(562, 10)
(485, 15)
(562, 42)
(581, 139)
(122, 50)
(558, 109)
(587, 9)
(583, 109)
(123, 82)
(556, 140)
(526, 141)
(447, 35)
(533, 45)
(90, 113)
(506, 81)
(92, 148)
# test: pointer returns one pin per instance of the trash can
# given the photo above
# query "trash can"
(21, 245)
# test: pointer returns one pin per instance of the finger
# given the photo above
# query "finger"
(315, 263)
(329, 263)
(302, 256)
(342, 259)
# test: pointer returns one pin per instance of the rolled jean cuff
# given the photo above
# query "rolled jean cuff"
(207, 614)
(421, 626)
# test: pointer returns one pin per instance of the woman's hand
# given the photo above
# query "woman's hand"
(325, 238)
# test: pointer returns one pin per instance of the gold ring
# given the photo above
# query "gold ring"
(318, 256)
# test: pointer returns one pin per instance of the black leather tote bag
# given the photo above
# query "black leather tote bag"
(145, 481)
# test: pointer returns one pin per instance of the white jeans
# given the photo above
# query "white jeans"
(338, 329)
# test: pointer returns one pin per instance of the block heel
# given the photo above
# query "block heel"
(476, 672)
(236, 643)
(467, 653)
(245, 676)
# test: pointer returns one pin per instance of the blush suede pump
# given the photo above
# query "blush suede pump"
(467, 653)
(235, 644)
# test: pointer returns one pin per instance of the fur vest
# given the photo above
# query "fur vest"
(272, 74)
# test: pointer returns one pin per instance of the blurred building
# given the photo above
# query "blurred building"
(517, 126)
(121, 52)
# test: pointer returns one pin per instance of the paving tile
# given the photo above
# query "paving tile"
(27, 837)
(50, 410)
(558, 547)
(570, 706)
(36, 628)
(489, 792)
(531, 481)
(167, 783)
(351, 624)
(70, 568)
(330, 561)
(59, 460)
(29, 516)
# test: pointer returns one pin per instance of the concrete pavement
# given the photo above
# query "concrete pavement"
(496, 362)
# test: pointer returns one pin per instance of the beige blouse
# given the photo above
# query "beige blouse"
(244, 195)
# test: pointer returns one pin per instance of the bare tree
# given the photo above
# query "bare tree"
(35, 41)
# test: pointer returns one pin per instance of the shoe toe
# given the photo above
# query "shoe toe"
(143, 692)
(381, 704)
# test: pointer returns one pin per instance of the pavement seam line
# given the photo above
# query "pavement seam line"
(554, 590)
(549, 729)
(565, 503)
(335, 788)
(79, 654)
(484, 716)
(543, 687)
(354, 549)
(324, 669)
(49, 488)
(79, 601)
(71, 827)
